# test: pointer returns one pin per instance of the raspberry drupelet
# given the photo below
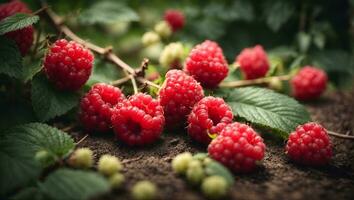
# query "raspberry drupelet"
(138, 120)
(68, 65)
(175, 19)
(209, 116)
(97, 105)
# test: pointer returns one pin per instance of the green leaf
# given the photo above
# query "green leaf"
(215, 168)
(267, 109)
(15, 113)
(31, 70)
(28, 193)
(73, 184)
(334, 61)
(103, 72)
(304, 41)
(16, 22)
(10, 58)
(278, 13)
(41, 137)
(107, 12)
(48, 102)
(17, 166)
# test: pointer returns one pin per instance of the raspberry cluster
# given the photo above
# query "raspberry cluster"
(207, 64)
(309, 83)
(178, 95)
(24, 36)
(253, 62)
(238, 147)
(175, 19)
(309, 144)
(97, 106)
(139, 120)
(208, 117)
(68, 65)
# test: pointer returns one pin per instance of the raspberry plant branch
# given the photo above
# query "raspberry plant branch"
(339, 135)
(257, 81)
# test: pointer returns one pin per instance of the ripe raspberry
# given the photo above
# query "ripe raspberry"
(309, 144)
(24, 36)
(209, 116)
(178, 95)
(97, 105)
(139, 120)
(207, 64)
(68, 65)
(175, 19)
(238, 147)
(309, 83)
(253, 62)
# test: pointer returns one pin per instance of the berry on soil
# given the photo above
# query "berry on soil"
(23, 37)
(309, 83)
(253, 62)
(208, 117)
(181, 161)
(238, 147)
(195, 172)
(81, 158)
(97, 105)
(144, 190)
(116, 180)
(175, 19)
(207, 64)
(178, 95)
(214, 187)
(309, 144)
(68, 65)
(109, 165)
(139, 120)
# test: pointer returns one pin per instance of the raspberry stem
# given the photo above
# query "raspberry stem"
(257, 81)
(340, 135)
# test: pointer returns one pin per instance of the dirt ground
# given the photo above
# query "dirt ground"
(278, 178)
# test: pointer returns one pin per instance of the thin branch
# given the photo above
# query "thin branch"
(241, 83)
(121, 81)
(340, 135)
(134, 84)
(82, 139)
(147, 82)
(68, 128)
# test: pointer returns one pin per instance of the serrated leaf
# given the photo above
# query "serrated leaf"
(17, 166)
(73, 184)
(278, 13)
(267, 109)
(48, 102)
(31, 70)
(10, 58)
(107, 12)
(16, 22)
(41, 137)
(215, 168)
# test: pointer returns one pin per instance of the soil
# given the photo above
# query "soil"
(278, 178)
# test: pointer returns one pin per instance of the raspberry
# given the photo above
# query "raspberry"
(175, 19)
(178, 95)
(209, 116)
(139, 120)
(23, 37)
(172, 55)
(150, 38)
(163, 29)
(97, 105)
(207, 64)
(309, 83)
(238, 147)
(68, 65)
(309, 144)
(253, 62)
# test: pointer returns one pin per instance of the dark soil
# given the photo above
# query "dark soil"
(278, 178)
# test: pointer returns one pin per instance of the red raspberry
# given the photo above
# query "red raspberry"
(309, 83)
(309, 144)
(97, 105)
(178, 95)
(253, 62)
(68, 65)
(175, 19)
(209, 116)
(24, 36)
(139, 120)
(238, 147)
(207, 64)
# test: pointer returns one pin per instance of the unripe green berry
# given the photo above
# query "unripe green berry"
(207, 160)
(43, 157)
(275, 84)
(144, 190)
(163, 29)
(214, 187)
(195, 172)
(180, 162)
(172, 55)
(81, 158)
(150, 38)
(108, 165)
(116, 180)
